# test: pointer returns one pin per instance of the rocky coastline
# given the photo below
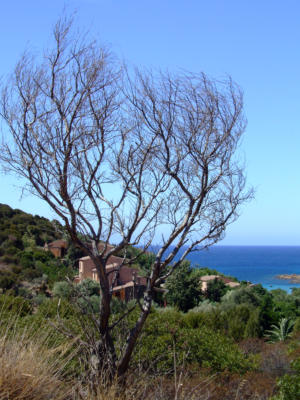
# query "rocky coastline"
(293, 278)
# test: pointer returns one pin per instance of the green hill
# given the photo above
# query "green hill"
(25, 268)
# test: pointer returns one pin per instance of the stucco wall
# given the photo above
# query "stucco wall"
(126, 274)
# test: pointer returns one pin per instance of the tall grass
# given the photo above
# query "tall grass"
(35, 365)
(30, 369)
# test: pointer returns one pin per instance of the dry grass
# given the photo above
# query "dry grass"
(29, 370)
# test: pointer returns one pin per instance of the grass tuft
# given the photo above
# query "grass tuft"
(29, 369)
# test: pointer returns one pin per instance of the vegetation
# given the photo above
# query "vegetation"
(29, 369)
(289, 385)
(192, 346)
(182, 287)
(216, 290)
(238, 334)
(25, 268)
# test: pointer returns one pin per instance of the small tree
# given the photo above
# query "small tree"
(215, 290)
(183, 288)
(118, 156)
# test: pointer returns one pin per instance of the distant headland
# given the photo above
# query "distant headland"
(293, 278)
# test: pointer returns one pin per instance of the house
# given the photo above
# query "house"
(58, 248)
(125, 281)
(204, 280)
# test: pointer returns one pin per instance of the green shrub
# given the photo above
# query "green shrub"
(253, 328)
(16, 269)
(289, 385)
(12, 250)
(182, 288)
(89, 305)
(39, 299)
(243, 295)
(31, 273)
(55, 271)
(50, 308)
(237, 319)
(296, 329)
(216, 289)
(195, 319)
(9, 259)
(14, 306)
(43, 256)
(24, 292)
(205, 306)
(169, 334)
(26, 259)
(62, 289)
(7, 280)
(88, 288)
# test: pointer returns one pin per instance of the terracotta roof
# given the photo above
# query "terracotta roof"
(227, 281)
(126, 285)
(84, 258)
(58, 243)
(206, 278)
(108, 265)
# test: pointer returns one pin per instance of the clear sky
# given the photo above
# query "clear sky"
(256, 42)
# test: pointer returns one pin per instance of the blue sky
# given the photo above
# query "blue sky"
(256, 42)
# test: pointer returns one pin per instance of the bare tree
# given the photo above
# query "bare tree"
(124, 157)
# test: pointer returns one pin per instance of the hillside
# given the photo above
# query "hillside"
(25, 268)
(14, 224)
(210, 343)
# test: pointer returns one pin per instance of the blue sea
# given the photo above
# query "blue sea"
(257, 264)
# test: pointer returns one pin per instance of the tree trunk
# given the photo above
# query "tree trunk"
(134, 334)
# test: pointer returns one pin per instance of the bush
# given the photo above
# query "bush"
(182, 288)
(195, 319)
(9, 259)
(7, 280)
(296, 329)
(39, 299)
(169, 334)
(31, 273)
(12, 250)
(43, 256)
(16, 269)
(54, 270)
(14, 306)
(243, 295)
(216, 289)
(63, 290)
(88, 288)
(26, 259)
(89, 305)
(289, 385)
(24, 292)
(237, 319)
(282, 331)
(253, 328)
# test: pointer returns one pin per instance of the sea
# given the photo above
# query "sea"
(257, 264)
